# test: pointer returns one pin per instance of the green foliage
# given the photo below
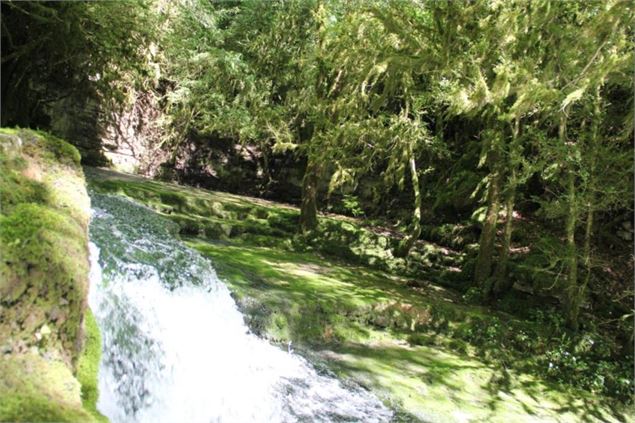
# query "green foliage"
(351, 206)
(585, 360)
(55, 50)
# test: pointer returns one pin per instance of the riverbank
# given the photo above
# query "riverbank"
(346, 303)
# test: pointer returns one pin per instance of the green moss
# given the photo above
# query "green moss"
(9, 131)
(439, 385)
(43, 278)
(408, 346)
(35, 243)
(88, 367)
(173, 198)
(34, 389)
(15, 188)
(61, 151)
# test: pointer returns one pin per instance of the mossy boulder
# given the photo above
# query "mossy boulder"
(44, 214)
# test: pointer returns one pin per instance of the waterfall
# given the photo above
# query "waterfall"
(175, 347)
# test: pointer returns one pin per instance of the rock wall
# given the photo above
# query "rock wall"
(127, 136)
(217, 163)
(131, 137)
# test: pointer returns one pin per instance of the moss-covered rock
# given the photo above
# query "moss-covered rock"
(44, 214)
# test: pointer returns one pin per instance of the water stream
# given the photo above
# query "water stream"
(175, 347)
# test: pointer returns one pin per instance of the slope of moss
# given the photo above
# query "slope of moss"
(44, 213)
(415, 348)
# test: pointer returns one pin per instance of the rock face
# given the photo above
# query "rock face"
(212, 162)
(131, 137)
(44, 214)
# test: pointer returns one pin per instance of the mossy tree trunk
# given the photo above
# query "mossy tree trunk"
(266, 168)
(483, 268)
(308, 208)
(571, 292)
(415, 229)
(590, 205)
(586, 252)
(572, 305)
(579, 291)
(502, 282)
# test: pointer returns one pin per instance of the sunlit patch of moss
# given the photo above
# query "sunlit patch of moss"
(55, 149)
(88, 366)
(9, 131)
(440, 385)
(15, 188)
(326, 301)
(35, 389)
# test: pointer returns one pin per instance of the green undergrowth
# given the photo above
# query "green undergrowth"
(44, 212)
(339, 290)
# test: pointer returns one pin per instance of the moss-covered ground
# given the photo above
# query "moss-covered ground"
(44, 212)
(399, 342)
(340, 298)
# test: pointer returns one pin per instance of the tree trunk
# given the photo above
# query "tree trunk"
(266, 170)
(308, 208)
(588, 233)
(483, 268)
(586, 252)
(501, 281)
(571, 292)
(415, 230)
(572, 303)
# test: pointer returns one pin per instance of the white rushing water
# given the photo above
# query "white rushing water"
(175, 347)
